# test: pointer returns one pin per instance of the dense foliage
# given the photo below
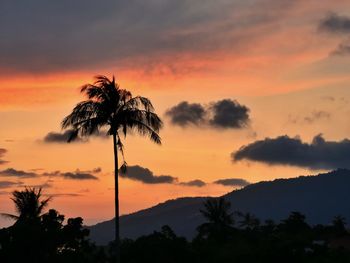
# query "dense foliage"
(224, 237)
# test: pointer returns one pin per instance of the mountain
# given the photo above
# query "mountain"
(319, 197)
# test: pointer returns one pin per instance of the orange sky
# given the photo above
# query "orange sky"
(270, 56)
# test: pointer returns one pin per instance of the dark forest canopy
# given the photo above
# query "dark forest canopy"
(225, 236)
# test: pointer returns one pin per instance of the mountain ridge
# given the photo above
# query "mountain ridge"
(319, 197)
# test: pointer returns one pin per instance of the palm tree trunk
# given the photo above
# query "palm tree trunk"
(116, 198)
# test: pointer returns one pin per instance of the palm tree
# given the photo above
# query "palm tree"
(109, 106)
(29, 205)
(248, 221)
(220, 219)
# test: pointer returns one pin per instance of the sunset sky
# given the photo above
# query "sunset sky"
(249, 90)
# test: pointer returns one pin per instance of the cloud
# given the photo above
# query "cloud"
(66, 34)
(225, 114)
(62, 137)
(2, 153)
(184, 114)
(312, 118)
(335, 23)
(97, 170)
(232, 182)
(195, 183)
(317, 115)
(342, 50)
(77, 175)
(10, 172)
(283, 150)
(8, 184)
(229, 114)
(146, 176)
(57, 137)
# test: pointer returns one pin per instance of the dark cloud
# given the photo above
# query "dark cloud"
(283, 150)
(146, 176)
(196, 183)
(335, 23)
(77, 175)
(184, 114)
(10, 172)
(8, 184)
(65, 34)
(229, 114)
(57, 137)
(225, 113)
(232, 182)
(62, 137)
(2, 153)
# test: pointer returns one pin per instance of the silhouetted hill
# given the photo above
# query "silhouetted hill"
(319, 197)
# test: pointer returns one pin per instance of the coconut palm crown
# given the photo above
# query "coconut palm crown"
(29, 204)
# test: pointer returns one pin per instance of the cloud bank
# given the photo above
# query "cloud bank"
(65, 35)
(284, 150)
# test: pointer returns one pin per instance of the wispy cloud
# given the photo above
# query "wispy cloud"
(9, 184)
(196, 183)
(2, 153)
(133, 31)
(63, 137)
(11, 172)
(232, 182)
(77, 175)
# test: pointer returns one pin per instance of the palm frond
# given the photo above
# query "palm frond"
(109, 105)
(10, 216)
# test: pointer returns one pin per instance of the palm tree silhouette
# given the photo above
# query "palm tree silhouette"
(220, 219)
(29, 205)
(109, 106)
(248, 221)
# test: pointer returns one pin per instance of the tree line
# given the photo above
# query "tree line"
(39, 236)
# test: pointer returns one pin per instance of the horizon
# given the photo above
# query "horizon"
(246, 95)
